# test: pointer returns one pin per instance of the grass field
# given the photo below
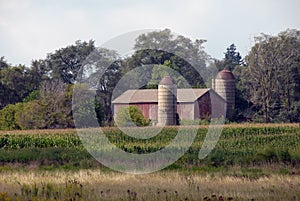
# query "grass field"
(166, 185)
(259, 162)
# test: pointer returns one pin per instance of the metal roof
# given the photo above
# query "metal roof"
(150, 95)
(167, 80)
(225, 75)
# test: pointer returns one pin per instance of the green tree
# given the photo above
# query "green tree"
(51, 109)
(16, 84)
(8, 117)
(65, 63)
(231, 60)
(243, 105)
(159, 71)
(185, 56)
(38, 72)
(32, 115)
(273, 75)
(85, 106)
(102, 73)
(3, 63)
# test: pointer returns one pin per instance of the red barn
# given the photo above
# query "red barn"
(191, 103)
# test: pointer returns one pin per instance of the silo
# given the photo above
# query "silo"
(224, 85)
(167, 102)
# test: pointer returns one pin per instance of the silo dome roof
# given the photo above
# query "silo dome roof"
(225, 75)
(167, 80)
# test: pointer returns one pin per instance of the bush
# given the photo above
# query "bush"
(31, 116)
(8, 117)
(130, 116)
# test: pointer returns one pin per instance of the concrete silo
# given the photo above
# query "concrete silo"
(167, 102)
(224, 85)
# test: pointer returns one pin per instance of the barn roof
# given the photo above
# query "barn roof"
(150, 95)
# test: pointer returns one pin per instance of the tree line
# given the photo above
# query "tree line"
(40, 96)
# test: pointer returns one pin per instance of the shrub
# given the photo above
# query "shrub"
(130, 116)
(8, 117)
(30, 116)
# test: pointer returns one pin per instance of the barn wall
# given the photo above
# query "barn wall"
(203, 106)
(149, 110)
(117, 107)
(219, 106)
(185, 111)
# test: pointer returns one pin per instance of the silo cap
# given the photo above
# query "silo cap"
(225, 75)
(167, 80)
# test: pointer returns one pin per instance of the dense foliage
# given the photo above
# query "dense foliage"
(270, 81)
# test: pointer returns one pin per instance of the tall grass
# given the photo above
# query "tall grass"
(167, 185)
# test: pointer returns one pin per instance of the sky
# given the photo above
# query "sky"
(29, 29)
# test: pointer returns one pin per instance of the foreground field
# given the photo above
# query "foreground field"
(260, 162)
(275, 147)
(167, 185)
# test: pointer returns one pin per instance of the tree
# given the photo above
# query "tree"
(66, 62)
(243, 106)
(102, 73)
(288, 62)
(8, 117)
(185, 56)
(273, 75)
(32, 115)
(16, 84)
(38, 72)
(231, 60)
(85, 106)
(3, 63)
(52, 109)
(159, 71)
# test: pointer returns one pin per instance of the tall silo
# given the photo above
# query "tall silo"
(167, 102)
(224, 85)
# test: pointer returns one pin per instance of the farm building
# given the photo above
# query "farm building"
(167, 103)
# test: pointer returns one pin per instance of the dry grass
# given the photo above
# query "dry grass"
(158, 186)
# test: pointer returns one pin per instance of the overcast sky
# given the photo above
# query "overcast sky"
(29, 29)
